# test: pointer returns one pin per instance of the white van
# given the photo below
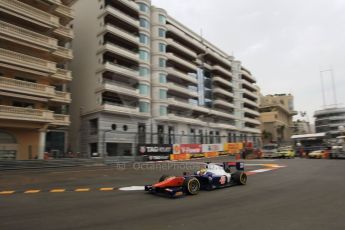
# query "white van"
(270, 150)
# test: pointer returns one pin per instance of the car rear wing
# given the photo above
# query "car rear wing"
(229, 165)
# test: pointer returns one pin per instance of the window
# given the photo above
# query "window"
(125, 127)
(162, 62)
(144, 89)
(144, 39)
(161, 33)
(162, 47)
(162, 110)
(162, 78)
(143, 7)
(144, 107)
(93, 126)
(144, 23)
(144, 55)
(162, 19)
(144, 72)
(162, 94)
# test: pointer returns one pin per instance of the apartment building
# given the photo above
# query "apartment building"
(276, 113)
(143, 77)
(329, 121)
(301, 127)
(34, 38)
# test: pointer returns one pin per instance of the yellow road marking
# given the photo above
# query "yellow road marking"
(58, 190)
(106, 189)
(82, 190)
(32, 191)
(6, 192)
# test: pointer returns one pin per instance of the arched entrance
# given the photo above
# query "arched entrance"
(8, 146)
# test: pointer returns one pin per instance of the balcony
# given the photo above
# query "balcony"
(64, 53)
(180, 47)
(181, 61)
(219, 90)
(221, 114)
(121, 16)
(181, 89)
(223, 126)
(251, 130)
(60, 96)
(223, 103)
(251, 111)
(65, 11)
(29, 13)
(64, 32)
(130, 4)
(122, 109)
(17, 86)
(222, 81)
(54, 2)
(121, 70)
(25, 114)
(112, 86)
(120, 51)
(251, 121)
(20, 34)
(185, 37)
(248, 76)
(62, 74)
(251, 94)
(181, 119)
(186, 105)
(173, 72)
(249, 85)
(126, 35)
(222, 70)
(250, 102)
(61, 120)
(26, 61)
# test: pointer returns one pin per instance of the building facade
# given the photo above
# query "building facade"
(329, 120)
(276, 112)
(301, 127)
(142, 77)
(34, 53)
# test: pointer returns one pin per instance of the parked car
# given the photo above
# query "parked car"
(270, 151)
(286, 152)
(318, 154)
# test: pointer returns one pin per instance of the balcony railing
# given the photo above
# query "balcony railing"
(222, 80)
(184, 76)
(113, 86)
(121, 33)
(181, 61)
(181, 34)
(64, 53)
(63, 74)
(65, 11)
(251, 111)
(62, 96)
(222, 114)
(122, 109)
(219, 90)
(65, 32)
(251, 94)
(120, 50)
(26, 87)
(223, 103)
(248, 76)
(180, 47)
(185, 104)
(121, 70)
(121, 16)
(17, 7)
(175, 118)
(54, 2)
(16, 32)
(27, 61)
(25, 114)
(252, 121)
(60, 119)
(181, 89)
(250, 102)
(222, 70)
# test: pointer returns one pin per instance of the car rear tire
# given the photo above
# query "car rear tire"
(191, 185)
(239, 178)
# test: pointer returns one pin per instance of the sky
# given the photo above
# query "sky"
(288, 45)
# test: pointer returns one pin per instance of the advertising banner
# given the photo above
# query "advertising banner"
(155, 152)
(206, 148)
(190, 148)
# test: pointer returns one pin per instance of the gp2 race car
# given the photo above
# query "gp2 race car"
(210, 177)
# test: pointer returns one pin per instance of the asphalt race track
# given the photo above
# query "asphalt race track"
(306, 194)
